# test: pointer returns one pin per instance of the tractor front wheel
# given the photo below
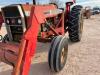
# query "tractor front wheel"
(58, 53)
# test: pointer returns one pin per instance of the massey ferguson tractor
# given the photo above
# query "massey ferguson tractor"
(27, 24)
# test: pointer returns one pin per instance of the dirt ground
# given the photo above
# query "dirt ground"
(83, 57)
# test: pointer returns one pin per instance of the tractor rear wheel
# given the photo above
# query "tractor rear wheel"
(58, 53)
(5, 39)
(75, 23)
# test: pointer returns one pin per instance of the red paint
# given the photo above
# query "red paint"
(1, 20)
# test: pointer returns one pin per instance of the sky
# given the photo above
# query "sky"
(82, 2)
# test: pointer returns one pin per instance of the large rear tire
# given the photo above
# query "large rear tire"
(75, 23)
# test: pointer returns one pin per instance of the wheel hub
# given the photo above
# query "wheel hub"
(63, 55)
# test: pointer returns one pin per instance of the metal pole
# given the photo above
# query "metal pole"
(74, 1)
(34, 2)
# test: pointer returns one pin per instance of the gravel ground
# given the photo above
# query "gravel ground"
(83, 57)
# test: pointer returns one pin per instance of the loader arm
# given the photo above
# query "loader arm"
(28, 44)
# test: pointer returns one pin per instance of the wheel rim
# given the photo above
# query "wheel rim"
(81, 26)
(63, 56)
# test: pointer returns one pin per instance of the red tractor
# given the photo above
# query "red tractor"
(1, 22)
(27, 24)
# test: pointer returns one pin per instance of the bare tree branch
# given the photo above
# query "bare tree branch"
(54, 1)
(57, 2)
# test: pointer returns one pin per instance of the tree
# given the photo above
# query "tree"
(57, 2)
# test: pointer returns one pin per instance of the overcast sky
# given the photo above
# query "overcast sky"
(83, 2)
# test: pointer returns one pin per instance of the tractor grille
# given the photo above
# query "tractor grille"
(13, 16)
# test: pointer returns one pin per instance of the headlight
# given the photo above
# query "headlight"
(7, 21)
(19, 21)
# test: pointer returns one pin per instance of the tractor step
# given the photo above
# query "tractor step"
(9, 53)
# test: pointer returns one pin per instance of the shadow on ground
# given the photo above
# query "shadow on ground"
(41, 69)
(36, 69)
